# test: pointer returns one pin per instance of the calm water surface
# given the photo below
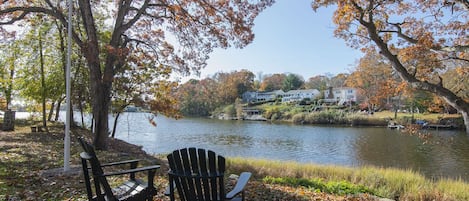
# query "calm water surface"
(446, 154)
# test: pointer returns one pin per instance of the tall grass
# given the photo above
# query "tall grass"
(384, 182)
(337, 117)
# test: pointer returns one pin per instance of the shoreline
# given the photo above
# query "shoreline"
(354, 120)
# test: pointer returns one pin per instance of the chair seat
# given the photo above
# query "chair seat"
(132, 188)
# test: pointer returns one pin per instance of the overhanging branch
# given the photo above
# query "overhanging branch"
(25, 11)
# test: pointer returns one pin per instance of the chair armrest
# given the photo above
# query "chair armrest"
(240, 184)
(167, 191)
(120, 163)
(129, 171)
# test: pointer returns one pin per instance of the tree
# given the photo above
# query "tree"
(197, 98)
(292, 82)
(318, 82)
(38, 76)
(139, 28)
(258, 81)
(374, 80)
(272, 82)
(135, 86)
(456, 79)
(338, 80)
(239, 108)
(8, 60)
(233, 85)
(419, 38)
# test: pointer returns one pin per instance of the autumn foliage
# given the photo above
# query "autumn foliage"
(420, 39)
(114, 35)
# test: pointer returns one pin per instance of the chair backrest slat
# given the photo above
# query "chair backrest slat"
(221, 168)
(189, 172)
(195, 165)
(204, 173)
(213, 171)
(181, 182)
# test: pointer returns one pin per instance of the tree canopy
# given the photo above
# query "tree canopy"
(141, 34)
(421, 39)
(292, 82)
(375, 81)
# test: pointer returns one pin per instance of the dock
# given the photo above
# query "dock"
(438, 126)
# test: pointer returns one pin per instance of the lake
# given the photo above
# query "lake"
(445, 154)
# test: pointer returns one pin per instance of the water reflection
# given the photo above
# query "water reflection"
(242, 141)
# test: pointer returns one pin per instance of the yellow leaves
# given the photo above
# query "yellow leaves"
(402, 87)
(163, 101)
(421, 61)
(344, 15)
(462, 71)
(426, 40)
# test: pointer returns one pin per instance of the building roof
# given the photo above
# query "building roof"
(302, 91)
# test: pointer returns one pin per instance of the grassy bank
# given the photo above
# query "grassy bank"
(343, 116)
(382, 182)
(28, 161)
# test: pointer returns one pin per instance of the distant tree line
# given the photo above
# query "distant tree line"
(379, 88)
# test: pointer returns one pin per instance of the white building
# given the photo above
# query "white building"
(255, 96)
(341, 94)
(298, 95)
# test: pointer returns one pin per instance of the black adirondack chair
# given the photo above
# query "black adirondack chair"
(133, 189)
(198, 175)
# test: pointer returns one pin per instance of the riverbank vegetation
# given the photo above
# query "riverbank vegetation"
(305, 114)
(31, 164)
(221, 96)
(382, 182)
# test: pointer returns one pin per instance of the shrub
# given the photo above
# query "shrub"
(299, 118)
(230, 110)
(327, 117)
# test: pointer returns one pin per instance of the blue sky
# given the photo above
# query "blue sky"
(289, 38)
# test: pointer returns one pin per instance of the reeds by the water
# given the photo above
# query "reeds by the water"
(337, 117)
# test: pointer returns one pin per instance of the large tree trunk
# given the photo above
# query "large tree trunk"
(99, 90)
(100, 113)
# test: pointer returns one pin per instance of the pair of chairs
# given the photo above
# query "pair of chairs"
(195, 174)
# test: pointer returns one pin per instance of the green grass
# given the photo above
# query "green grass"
(383, 182)
(334, 187)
